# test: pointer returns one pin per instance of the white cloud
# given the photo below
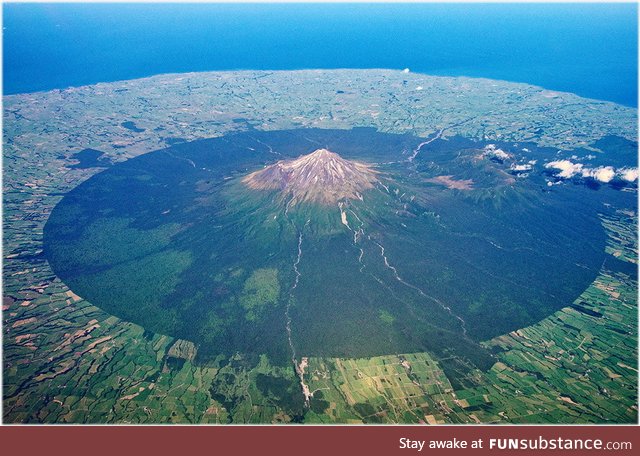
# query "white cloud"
(603, 174)
(490, 150)
(519, 168)
(628, 174)
(567, 168)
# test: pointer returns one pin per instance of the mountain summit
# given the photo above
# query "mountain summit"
(321, 176)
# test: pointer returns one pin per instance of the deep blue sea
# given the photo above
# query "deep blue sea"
(588, 49)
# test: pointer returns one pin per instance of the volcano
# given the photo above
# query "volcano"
(322, 176)
(290, 249)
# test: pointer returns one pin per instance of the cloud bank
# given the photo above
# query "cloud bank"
(604, 174)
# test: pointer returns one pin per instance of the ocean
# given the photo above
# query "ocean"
(587, 49)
